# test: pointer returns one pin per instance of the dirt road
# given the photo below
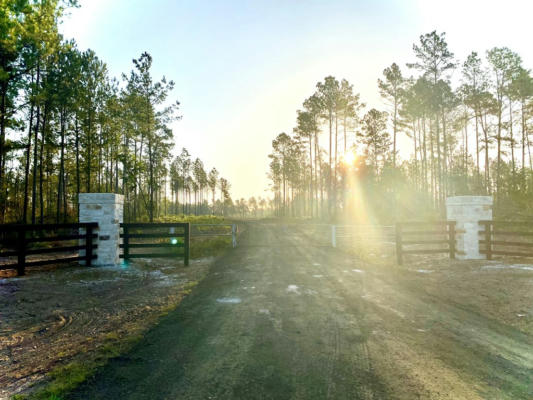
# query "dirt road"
(279, 318)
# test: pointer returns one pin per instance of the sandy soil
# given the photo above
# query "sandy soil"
(51, 317)
(283, 318)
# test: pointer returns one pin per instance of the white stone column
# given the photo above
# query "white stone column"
(107, 210)
(467, 211)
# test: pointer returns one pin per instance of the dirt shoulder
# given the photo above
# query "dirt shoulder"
(53, 318)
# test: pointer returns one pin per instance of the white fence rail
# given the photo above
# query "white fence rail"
(342, 236)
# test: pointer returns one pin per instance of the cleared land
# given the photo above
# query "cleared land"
(281, 318)
(54, 317)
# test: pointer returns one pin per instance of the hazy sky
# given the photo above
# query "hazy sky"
(243, 68)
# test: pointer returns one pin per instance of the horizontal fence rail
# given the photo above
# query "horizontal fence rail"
(21, 241)
(415, 235)
(214, 230)
(328, 235)
(364, 234)
(168, 238)
(506, 238)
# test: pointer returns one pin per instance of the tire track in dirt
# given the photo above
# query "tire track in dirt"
(459, 351)
(58, 316)
(313, 322)
(348, 353)
(277, 343)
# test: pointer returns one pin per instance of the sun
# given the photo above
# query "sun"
(348, 158)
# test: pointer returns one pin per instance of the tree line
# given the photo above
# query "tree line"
(67, 127)
(469, 135)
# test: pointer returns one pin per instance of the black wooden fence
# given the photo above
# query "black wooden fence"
(415, 235)
(21, 241)
(506, 238)
(172, 240)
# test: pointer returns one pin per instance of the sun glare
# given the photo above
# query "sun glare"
(349, 158)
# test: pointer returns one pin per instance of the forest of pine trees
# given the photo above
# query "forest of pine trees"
(67, 127)
(468, 135)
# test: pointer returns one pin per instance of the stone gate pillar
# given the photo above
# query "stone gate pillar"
(467, 211)
(107, 210)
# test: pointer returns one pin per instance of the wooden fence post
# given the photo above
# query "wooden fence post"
(451, 238)
(187, 243)
(333, 236)
(21, 256)
(126, 243)
(399, 255)
(88, 245)
(488, 239)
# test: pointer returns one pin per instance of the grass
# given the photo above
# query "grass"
(65, 378)
(194, 219)
(205, 246)
(210, 246)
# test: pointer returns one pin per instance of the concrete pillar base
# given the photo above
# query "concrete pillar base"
(467, 211)
(107, 210)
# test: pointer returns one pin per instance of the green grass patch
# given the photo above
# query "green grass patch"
(68, 377)
(209, 246)
(194, 219)
(204, 246)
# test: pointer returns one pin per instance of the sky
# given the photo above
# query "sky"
(243, 68)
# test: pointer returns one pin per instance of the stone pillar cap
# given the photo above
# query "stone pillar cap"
(469, 200)
(100, 198)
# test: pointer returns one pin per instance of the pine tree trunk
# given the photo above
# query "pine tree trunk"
(41, 162)
(477, 142)
(27, 165)
(78, 183)
(330, 157)
(311, 207)
(3, 118)
(60, 178)
(35, 149)
(335, 169)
